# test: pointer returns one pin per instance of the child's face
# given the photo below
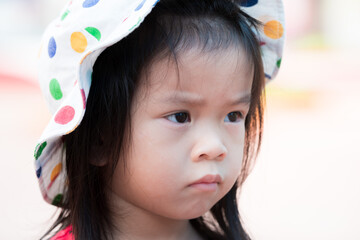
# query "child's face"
(170, 152)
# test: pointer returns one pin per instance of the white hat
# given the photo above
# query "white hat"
(70, 47)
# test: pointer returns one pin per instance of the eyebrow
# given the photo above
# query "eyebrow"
(192, 99)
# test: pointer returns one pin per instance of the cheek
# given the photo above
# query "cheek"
(157, 143)
(236, 153)
(235, 161)
(153, 157)
(236, 141)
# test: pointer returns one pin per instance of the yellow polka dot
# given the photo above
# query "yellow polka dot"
(273, 29)
(82, 60)
(40, 49)
(55, 172)
(78, 42)
(72, 130)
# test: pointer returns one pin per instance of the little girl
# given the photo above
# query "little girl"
(158, 111)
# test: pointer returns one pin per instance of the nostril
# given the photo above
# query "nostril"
(202, 156)
(217, 158)
(209, 150)
(221, 156)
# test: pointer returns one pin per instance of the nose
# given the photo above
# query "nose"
(208, 148)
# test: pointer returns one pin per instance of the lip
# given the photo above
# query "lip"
(207, 183)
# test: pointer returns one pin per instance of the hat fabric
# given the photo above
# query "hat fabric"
(69, 49)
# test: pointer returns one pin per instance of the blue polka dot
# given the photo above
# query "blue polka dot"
(38, 172)
(248, 3)
(140, 5)
(90, 3)
(52, 47)
(89, 76)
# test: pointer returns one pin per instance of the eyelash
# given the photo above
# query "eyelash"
(241, 116)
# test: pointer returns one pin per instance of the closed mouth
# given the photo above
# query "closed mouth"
(207, 183)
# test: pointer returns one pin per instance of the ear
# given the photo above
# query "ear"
(98, 162)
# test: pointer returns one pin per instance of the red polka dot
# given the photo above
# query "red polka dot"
(83, 97)
(65, 115)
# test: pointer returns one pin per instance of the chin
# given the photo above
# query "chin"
(193, 212)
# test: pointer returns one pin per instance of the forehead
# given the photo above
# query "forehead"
(222, 74)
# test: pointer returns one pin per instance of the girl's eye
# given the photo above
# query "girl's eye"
(234, 117)
(180, 117)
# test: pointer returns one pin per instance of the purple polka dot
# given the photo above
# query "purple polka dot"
(52, 47)
(248, 3)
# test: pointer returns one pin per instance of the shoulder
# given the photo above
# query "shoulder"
(65, 234)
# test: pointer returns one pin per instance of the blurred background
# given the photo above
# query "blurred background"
(306, 183)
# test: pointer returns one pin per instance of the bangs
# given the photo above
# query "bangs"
(172, 28)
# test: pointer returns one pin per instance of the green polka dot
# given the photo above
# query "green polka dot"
(65, 15)
(278, 63)
(39, 150)
(137, 24)
(55, 89)
(57, 200)
(95, 32)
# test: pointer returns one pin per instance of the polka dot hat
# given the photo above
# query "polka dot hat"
(69, 49)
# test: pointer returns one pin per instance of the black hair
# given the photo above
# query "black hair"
(105, 131)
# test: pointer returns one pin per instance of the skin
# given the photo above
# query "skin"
(152, 196)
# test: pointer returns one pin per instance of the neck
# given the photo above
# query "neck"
(140, 228)
(134, 223)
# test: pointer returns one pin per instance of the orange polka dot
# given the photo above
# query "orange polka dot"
(78, 42)
(82, 60)
(273, 29)
(55, 172)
